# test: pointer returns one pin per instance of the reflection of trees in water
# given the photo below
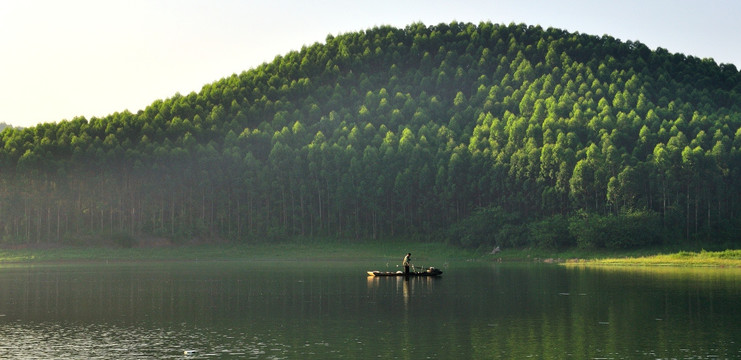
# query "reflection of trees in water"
(487, 311)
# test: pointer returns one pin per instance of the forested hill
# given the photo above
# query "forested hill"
(473, 134)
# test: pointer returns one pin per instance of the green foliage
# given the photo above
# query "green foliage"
(626, 230)
(124, 240)
(452, 128)
(486, 227)
(552, 233)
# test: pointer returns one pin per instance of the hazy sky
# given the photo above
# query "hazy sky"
(61, 59)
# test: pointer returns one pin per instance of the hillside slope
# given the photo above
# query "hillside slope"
(477, 134)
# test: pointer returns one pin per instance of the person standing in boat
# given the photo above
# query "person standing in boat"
(407, 261)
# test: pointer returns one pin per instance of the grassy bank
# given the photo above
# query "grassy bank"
(661, 256)
(727, 258)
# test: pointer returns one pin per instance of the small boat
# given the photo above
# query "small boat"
(427, 272)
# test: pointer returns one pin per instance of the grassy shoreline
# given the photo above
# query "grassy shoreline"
(639, 257)
(726, 258)
(371, 251)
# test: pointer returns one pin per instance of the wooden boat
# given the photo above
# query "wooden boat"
(427, 272)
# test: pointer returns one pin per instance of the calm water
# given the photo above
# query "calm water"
(321, 310)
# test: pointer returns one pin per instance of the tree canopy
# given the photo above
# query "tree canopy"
(474, 134)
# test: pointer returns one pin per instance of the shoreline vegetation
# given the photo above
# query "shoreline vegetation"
(328, 250)
(726, 258)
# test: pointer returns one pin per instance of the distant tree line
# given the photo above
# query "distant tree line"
(473, 134)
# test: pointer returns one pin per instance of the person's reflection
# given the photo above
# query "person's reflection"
(405, 291)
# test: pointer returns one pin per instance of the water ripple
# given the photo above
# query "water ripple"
(101, 341)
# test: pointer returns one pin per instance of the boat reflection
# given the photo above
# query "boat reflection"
(407, 287)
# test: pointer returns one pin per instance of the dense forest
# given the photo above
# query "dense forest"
(477, 135)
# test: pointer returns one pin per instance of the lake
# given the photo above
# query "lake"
(326, 310)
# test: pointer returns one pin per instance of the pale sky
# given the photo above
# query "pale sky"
(61, 59)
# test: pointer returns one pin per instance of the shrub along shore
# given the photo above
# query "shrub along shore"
(388, 251)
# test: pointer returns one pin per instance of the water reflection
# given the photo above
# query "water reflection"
(327, 310)
(405, 287)
(105, 341)
(683, 273)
